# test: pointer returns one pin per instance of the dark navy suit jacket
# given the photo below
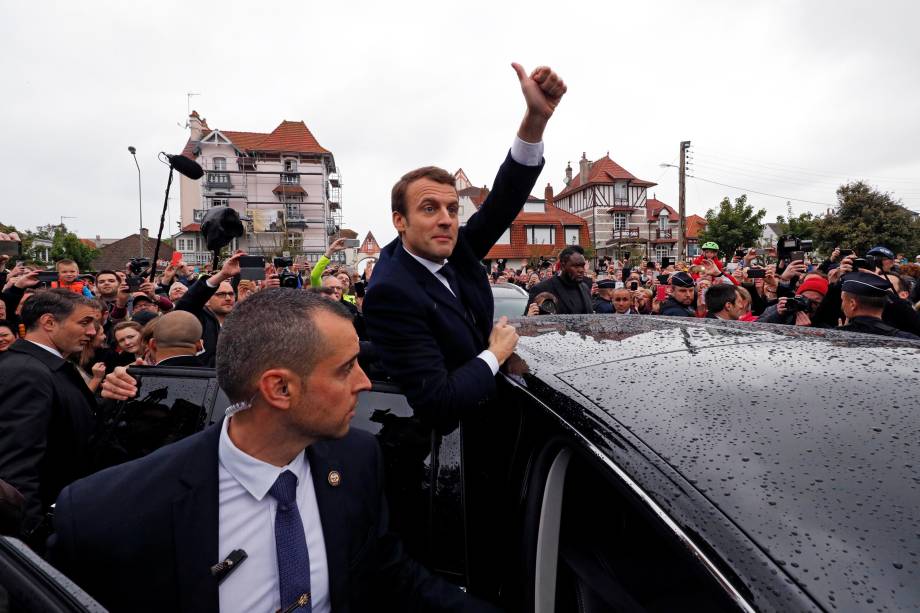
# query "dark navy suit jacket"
(142, 536)
(427, 339)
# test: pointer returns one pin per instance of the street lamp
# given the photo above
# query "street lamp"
(140, 207)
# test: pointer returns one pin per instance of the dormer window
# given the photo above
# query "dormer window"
(220, 164)
(290, 165)
(663, 220)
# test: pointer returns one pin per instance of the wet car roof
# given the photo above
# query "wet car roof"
(808, 440)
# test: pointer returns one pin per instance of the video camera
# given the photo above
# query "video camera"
(139, 268)
(285, 276)
(786, 245)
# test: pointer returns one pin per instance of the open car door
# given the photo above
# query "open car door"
(28, 584)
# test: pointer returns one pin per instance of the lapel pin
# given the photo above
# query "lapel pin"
(334, 478)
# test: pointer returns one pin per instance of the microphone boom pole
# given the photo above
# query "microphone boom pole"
(186, 167)
(156, 248)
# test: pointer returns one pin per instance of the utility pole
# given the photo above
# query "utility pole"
(682, 201)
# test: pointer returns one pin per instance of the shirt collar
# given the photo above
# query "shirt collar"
(254, 475)
(47, 348)
(432, 267)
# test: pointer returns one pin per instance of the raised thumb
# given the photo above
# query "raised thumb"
(521, 74)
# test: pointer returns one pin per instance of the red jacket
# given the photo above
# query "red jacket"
(698, 260)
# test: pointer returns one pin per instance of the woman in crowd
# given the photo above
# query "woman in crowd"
(129, 336)
(87, 361)
(7, 335)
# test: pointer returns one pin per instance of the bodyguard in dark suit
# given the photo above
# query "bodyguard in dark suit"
(429, 306)
(282, 478)
(46, 409)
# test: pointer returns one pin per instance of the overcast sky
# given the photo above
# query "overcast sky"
(787, 98)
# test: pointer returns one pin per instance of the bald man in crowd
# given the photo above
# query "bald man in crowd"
(176, 341)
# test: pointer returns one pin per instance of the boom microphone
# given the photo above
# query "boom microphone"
(185, 166)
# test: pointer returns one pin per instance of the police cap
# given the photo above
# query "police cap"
(865, 284)
(681, 279)
(881, 251)
(607, 284)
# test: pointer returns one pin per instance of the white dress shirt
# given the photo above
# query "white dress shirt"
(47, 348)
(247, 521)
(526, 154)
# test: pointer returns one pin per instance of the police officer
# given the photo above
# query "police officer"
(680, 302)
(603, 302)
(864, 296)
(884, 256)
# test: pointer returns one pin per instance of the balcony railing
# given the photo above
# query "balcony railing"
(198, 215)
(218, 179)
(621, 202)
(296, 221)
(659, 233)
(623, 233)
(288, 178)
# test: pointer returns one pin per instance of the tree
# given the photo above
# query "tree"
(733, 225)
(866, 217)
(802, 226)
(66, 245)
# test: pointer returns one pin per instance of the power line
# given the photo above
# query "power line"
(802, 170)
(754, 191)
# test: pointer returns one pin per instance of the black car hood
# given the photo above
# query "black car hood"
(808, 440)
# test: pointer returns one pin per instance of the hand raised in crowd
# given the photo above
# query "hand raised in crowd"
(121, 298)
(710, 268)
(148, 288)
(793, 270)
(3, 260)
(334, 247)
(502, 340)
(26, 279)
(119, 385)
(750, 256)
(99, 371)
(533, 309)
(846, 266)
(802, 319)
(230, 268)
(168, 275)
(835, 254)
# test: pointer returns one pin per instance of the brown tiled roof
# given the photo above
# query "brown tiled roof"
(603, 172)
(88, 242)
(288, 137)
(695, 225)
(653, 208)
(192, 227)
(115, 255)
(476, 194)
(519, 249)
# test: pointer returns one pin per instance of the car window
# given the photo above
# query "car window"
(168, 407)
(614, 555)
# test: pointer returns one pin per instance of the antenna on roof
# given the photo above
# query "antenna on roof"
(188, 109)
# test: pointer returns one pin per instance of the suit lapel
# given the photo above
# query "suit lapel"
(331, 503)
(195, 527)
(433, 287)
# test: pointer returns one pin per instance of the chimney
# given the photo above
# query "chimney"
(548, 193)
(584, 166)
(194, 124)
(568, 173)
(145, 233)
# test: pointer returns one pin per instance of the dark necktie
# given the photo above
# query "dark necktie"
(291, 545)
(448, 273)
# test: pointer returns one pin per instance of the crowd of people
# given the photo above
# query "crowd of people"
(290, 346)
(840, 291)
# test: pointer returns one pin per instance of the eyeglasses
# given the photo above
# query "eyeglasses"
(224, 294)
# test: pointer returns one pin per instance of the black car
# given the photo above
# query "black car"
(645, 463)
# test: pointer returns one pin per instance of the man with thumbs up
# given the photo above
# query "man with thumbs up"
(429, 307)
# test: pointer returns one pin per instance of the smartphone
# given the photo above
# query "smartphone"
(663, 279)
(352, 242)
(252, 267)
(860, 263)
(756, 273)
(661, 294)
(47, 277)
(760, 252)
(846, 252)
(134, 282)
(11, 248)
(797, 255)
(634, 285)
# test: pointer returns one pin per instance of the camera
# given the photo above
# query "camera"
(287, 279)
(283, 262)
(137, 266)
(785, 245)
(547, 307)
(799, 303)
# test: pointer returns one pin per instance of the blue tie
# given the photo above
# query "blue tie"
(448, 273)
(291, 544)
